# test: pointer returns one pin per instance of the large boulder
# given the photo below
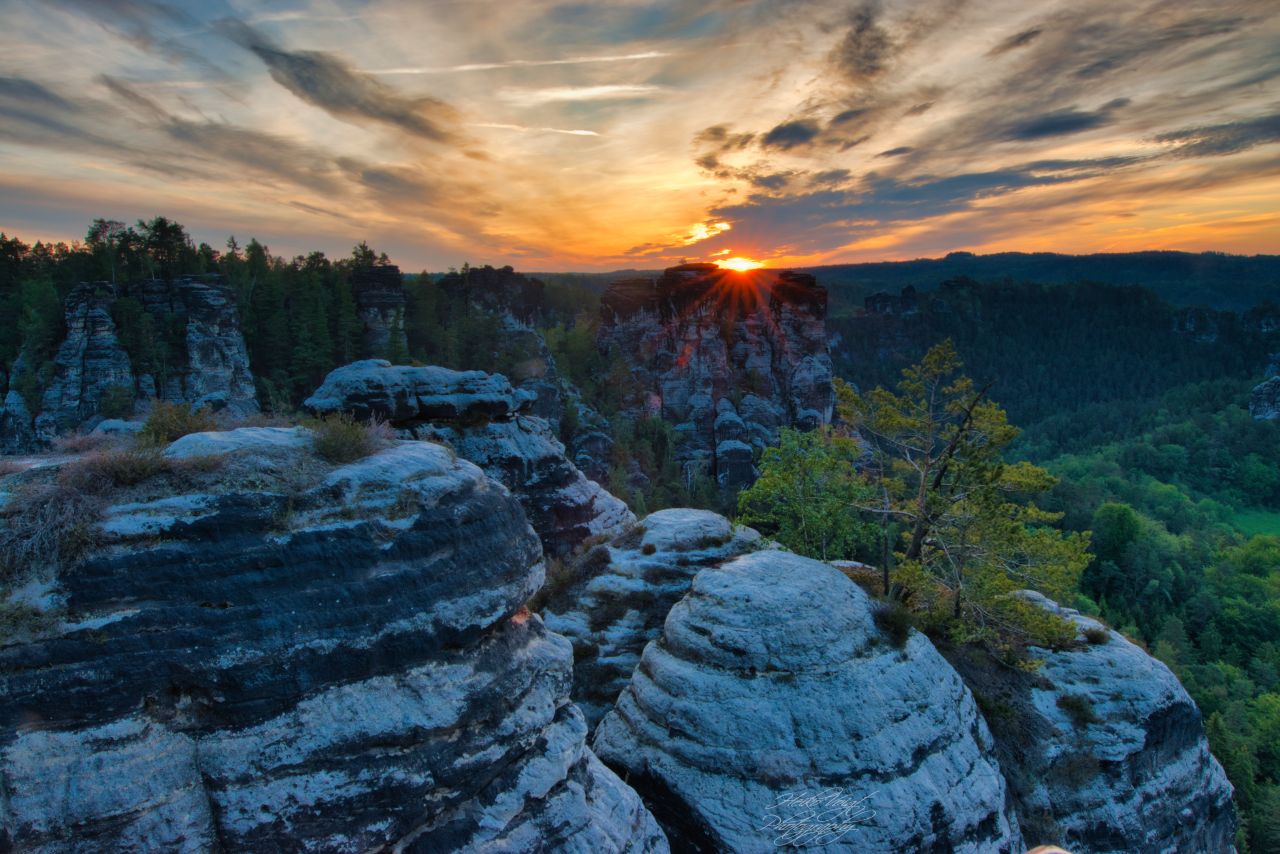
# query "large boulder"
(772, 702)
(483, 418)
(1103, 748)
(613, 600)
(268, 653)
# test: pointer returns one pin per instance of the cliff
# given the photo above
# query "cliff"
(380, 303)
(486, 421)
(264, 652)
(727, 357)
(1264, 402)
(189, 340)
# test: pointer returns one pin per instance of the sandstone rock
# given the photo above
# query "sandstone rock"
(482, 418)
(89, 362)
(1139, 777)
(771, 684)
(219, 442)
(726, 357)
(380, 303)
(616, 596)
(1264, 404)
(345, 668)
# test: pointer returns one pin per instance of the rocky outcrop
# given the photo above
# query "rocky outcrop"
(1103, 748)
(89, 363)
(727, 357)
(288, 656)
(214, 370)
(17, 423)
(613, 600)
(498, 290)
(772, 702)
(1264, 403)
(380, 303)
(484, 420)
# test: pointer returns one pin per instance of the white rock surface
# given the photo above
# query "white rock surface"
(253, 439)
(770, 684)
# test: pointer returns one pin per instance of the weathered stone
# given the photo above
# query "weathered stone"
(699, 338)
(380, 303)
(1104, 750)
(617, 596)
(348, 667)
(771, 683)
(482, 418)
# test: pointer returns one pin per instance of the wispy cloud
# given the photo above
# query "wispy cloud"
(607, 92)
(520, 63)
(523, 129)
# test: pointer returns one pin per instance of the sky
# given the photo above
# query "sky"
(625, 134)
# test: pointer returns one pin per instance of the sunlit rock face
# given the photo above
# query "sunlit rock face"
(297, 657)
(727, 357)
(771, 688)
(1104, 750)
(614, 599)
(486, 421)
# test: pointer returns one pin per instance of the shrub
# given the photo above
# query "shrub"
(46, 525)
(339, 438)
(169, 421)
(117, 402)
(106, 470)
(894, 621)
(648, 548)
(1096, 635)
(1079, 708)
(81, 443)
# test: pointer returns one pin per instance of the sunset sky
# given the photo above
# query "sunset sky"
(576, 136)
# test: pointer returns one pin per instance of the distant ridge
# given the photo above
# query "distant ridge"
(1215, 279)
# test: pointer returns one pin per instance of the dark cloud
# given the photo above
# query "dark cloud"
(919, 109)
(896, 152)
(1064, 122)
(864, 52)
(791, 134)
(772, 180)
(1223, 139)
(143, 23)
(843, 118)
(331, 84)
(1016, 41)
(29, 91)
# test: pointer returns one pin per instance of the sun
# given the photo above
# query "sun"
(740, 265)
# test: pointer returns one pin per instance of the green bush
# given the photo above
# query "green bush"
(1096, 636)
(339, 438)
(169, 421)
(894, 621)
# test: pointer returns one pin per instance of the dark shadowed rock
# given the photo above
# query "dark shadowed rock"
(614, 599)
(483, 419)
(1264, 403)
(380, 303)
(306, 658)
(770, 685)
(715, 351)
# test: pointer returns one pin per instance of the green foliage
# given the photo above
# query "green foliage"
(117, 402)
(1079, 708)
(169, 421)
(808, 495)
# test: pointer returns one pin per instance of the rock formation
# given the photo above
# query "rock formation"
(1104, 750)
(772, 696)
(484, 420)
(280, 655)
(89, 363)
(380, 303)
(727, 357)
(1264, 403)
(615, 597)
(210, 366)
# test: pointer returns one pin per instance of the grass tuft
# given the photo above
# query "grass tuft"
(168, 422)
(339, 438)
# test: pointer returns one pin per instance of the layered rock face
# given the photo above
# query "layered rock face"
(484, 420)
(772, 703)
(617, 595)
(1105, 751)
(304, 658)
(380, 302)
(210, 367)
(89, 362)
(1264, 403)
(728, 357)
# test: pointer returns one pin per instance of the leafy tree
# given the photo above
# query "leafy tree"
(804, 497)
(971, 535)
